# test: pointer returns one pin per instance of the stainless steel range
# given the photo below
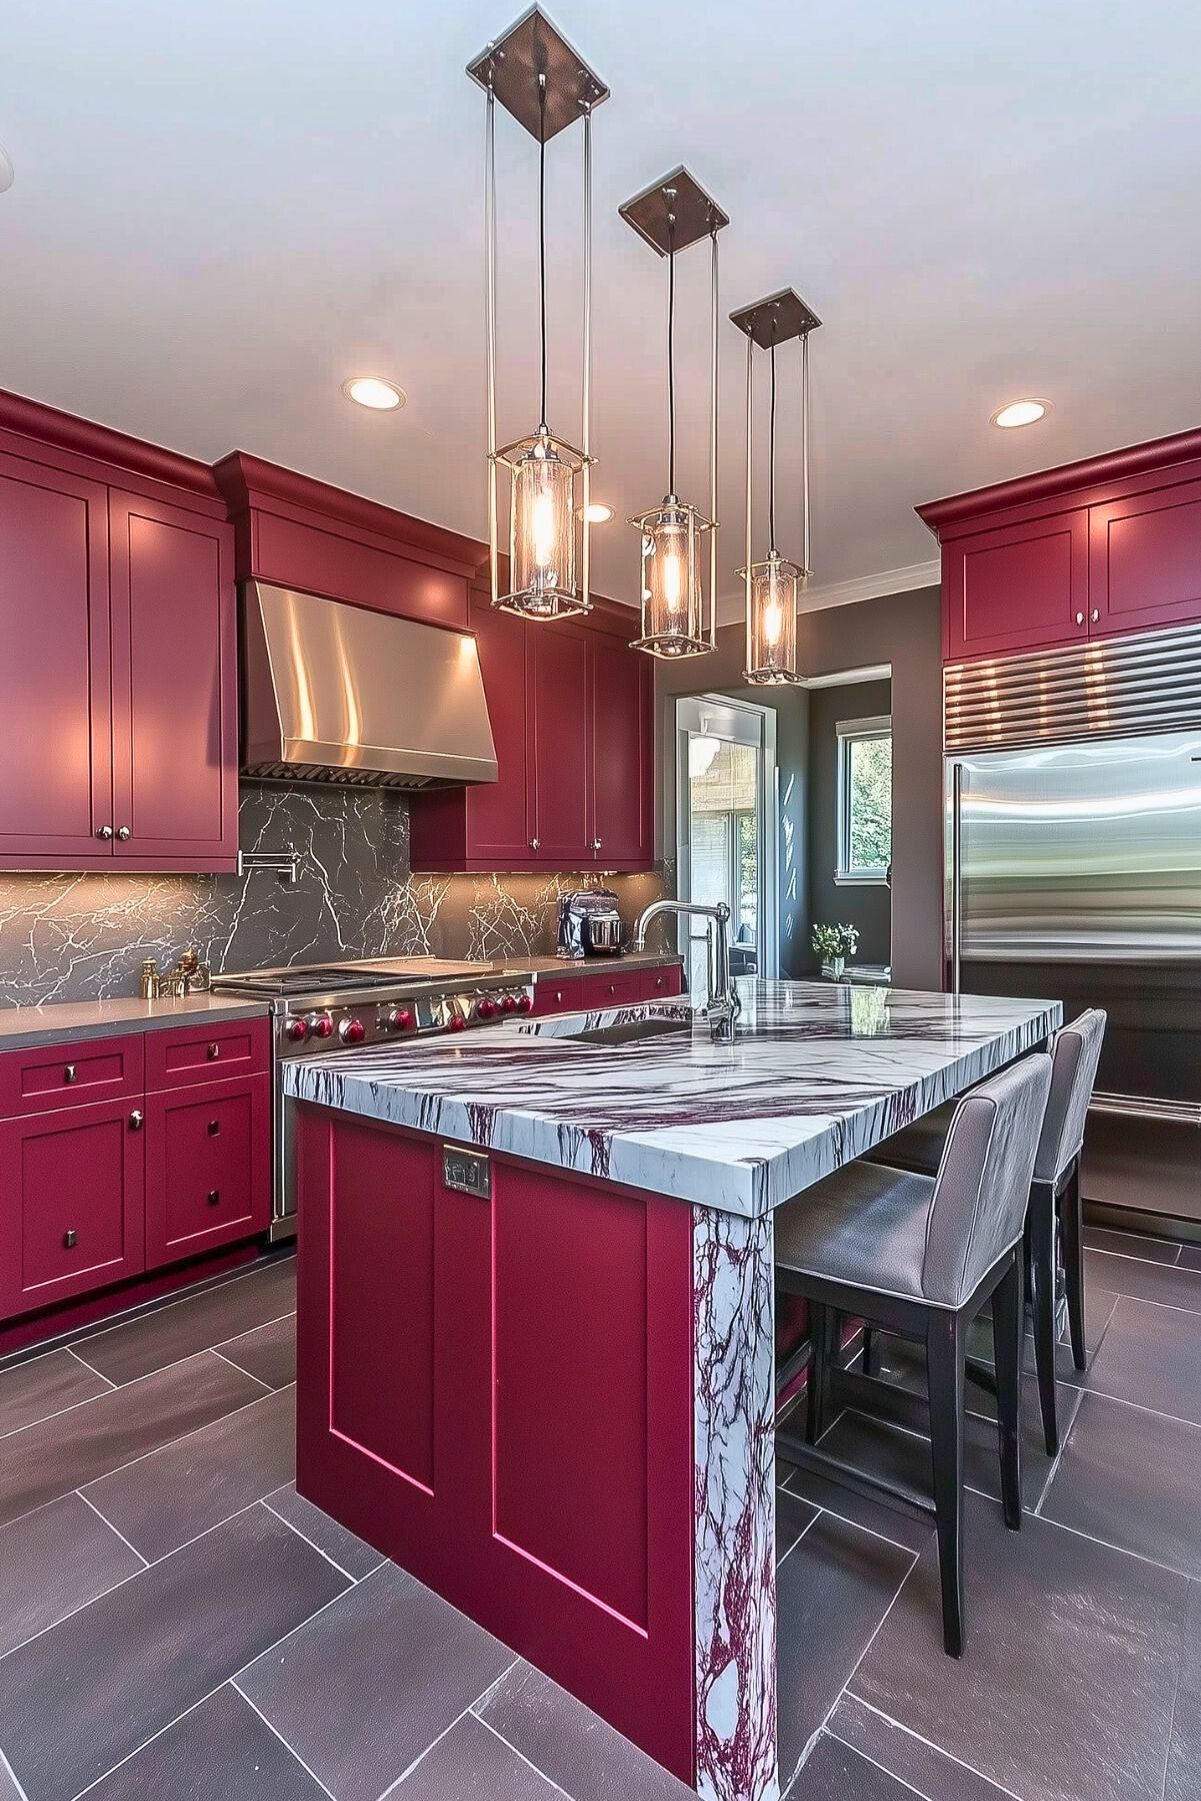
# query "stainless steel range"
(336, 1007)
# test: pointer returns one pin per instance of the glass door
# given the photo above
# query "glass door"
(726, 772)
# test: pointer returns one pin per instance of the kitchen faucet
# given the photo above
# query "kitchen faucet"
(723, 1005)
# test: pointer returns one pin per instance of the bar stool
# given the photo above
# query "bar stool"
(920, 1257)
(1054, 1198)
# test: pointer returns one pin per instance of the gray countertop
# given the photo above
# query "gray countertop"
(23, 1027)
(593, 966)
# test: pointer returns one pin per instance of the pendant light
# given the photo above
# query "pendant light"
(772, 586)
(537, 77)
(676, 622)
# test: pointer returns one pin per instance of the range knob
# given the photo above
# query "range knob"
(400, 1019)
(508, 1003)
(524, 1004)
(486, 1007)
(296, 1030)
(321, 1025)
(351, 1031)
(456, 1023)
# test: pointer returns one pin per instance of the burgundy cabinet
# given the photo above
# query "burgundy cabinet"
(471, 1401)
(55, 734)
(551, 995)
(1145, 560)
(208, 1167)
(71, 1203)
(208, 1052)
(174, 652)
(621, 703)
(71, 1075)
(562, 742)
(1017, 588)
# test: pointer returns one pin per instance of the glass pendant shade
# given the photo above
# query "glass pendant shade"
(771, 622)
(673, 623)
(542, 530)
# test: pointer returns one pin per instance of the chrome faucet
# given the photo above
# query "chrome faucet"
(723, 1005)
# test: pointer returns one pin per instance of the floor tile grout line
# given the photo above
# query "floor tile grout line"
(901, 1781)
(200, 1352)
(1157, 1413)
(186, 1294)
(1142, 1300)
(144, 1561)
(482, 1700)
(129, 1757)
(1103, 1250)
(422, 1755)
(251, 1330)
(930, 1745)
(6, 1766)
(846, 1520)
(265, 1501)
(527, 1761)
(254, 1401)
(72, 1352)
(291, 1749)
(245, 1372)
(1106, 1544)
(800, 1535)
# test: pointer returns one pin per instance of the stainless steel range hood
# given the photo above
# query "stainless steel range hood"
(335, 693)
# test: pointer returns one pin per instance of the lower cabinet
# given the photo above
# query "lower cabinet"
(474, 1402)
(208, 1167)
(609, 986)
(71, 1203)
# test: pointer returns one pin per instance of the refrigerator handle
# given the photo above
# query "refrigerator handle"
(956, 876)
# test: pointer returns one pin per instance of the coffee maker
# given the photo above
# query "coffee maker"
(589, 924)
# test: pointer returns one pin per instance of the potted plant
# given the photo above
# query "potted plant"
(834, 944)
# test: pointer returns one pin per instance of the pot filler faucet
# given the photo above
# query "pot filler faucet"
(723, 1005)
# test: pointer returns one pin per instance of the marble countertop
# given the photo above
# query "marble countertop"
(819, 1073)
(593, 966)
(23, 1027)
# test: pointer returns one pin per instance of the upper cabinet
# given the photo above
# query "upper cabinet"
(1096, 548)
(571, 709)
(119, 736)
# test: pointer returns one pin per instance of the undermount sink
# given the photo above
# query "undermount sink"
(630, 1031)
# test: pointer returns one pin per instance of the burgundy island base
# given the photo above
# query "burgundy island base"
(536, 1316)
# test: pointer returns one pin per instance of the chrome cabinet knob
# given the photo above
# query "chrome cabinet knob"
(70, 1073)
(596, 844)
(104, 832)
(535, 843)
(135, 1120)
(1080, 619)
(214, 1196)
(214, 1128)
(1095, 615)
(212, 1052)
(123, 832)
(70, 1239)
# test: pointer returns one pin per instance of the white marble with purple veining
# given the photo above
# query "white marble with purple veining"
(819, 1073)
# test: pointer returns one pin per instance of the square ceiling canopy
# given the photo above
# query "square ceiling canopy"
(776, 319)
(512, 65)
(697, 214)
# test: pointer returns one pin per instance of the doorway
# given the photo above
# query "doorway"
(725, 827)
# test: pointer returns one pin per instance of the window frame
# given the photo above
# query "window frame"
(851, 732)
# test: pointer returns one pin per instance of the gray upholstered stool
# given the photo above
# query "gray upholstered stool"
(921, 1257)
(1054, 1197)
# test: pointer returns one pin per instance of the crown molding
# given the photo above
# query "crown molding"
(843, 594)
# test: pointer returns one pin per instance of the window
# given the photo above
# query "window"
(864, 800)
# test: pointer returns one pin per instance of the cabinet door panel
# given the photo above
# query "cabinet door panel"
(1017, 588)
(174, 673)
(55, 745)
(70, 1204)
(1145, 560)
(208, 1168)
(621, 683)
(562, 803)
(498, 827)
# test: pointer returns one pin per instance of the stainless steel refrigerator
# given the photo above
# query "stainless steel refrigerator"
(1074, 872)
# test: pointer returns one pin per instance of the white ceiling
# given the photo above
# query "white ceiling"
(222, 211)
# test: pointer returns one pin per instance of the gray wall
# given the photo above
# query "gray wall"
(868, 907)
(77, 937)
(904, 631)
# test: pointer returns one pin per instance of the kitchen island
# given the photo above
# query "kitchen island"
(536, 1311)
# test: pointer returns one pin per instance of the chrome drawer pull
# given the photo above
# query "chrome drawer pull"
(135, 1120)
(214, 1050)
(214, 1128)
(214, 1196)
(70, 1240)
(69, 1073)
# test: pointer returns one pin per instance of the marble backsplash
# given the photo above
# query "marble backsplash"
(81, 937)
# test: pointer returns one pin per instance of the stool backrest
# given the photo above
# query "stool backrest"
(1074, 1058)
(982, 1190)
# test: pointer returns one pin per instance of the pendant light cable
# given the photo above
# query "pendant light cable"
(542, 232)
(771, 450)
(671, 353)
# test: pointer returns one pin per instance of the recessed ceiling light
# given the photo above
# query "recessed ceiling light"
(596, 512)
(7, 172)
(373, 391)
(1021, 412)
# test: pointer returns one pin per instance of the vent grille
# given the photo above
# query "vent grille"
(342, 778)
(1113, 687)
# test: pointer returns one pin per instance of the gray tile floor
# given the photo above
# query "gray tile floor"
(176, 1622)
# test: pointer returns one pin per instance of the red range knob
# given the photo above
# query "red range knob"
(401, 1019)
(297, 1030)
(485, 1007)
(456, 1023)
(525, 1003)
(508, 1003)
(321, 1025)
(352, 1031)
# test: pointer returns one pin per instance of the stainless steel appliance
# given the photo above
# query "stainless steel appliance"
(590, 924)
(1074, 872)
(335, 693)
(346, 1006)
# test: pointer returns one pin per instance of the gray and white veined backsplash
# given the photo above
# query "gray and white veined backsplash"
(83, 937)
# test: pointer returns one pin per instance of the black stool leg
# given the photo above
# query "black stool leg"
(823, 1328)
(945, 1362)
(1042, 1279)
(1072, 1237)
(1007, 1318)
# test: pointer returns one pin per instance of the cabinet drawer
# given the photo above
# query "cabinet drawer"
(662, 984)
(208, 1167)
(70, 1204)
(558, 997)
(207, 1053)
(69, 1075)
(622, 989)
